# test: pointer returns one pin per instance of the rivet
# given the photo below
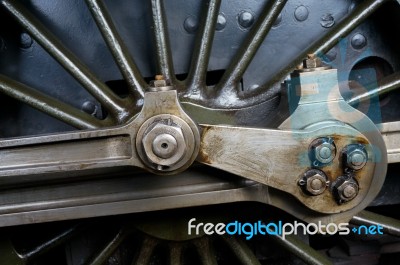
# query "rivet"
(190, 24)
(221, 22)
(358, 41)
(246, 19)
(25, 40)
(89, 107)
(327, 21)
(301, 13)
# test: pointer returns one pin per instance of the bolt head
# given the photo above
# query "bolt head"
(25, 40)
(191, 24)
(349, 191)
(327, 20)
(164, 144)
(246, 19)
(345, 189)
(90, 108)
(355, 156)
(322, 151)
(358, 41)
(314, 182)
(312, 63)
(221, 22)
(301, 13)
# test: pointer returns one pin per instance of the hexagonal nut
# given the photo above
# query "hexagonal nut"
(314, 182)
(355, 156)
(345, 189)
(164, 144)
(312, 63)
(322, 151)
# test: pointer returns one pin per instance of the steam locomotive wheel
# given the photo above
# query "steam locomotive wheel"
(78, 71)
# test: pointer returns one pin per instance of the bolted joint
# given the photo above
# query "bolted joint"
(164, 143)
(345, 189)
(322, 151)
(355, 156)
(314, 182)
(159, 84)
(312, 62)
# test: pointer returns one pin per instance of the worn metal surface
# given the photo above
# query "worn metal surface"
(114, 148)
(242, 151)
(96, 149)
(313, 97)
(262, 155)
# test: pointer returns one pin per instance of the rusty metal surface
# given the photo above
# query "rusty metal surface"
(264, 156)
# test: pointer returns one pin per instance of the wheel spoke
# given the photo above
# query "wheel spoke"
(324, 44)
(67, 59)
(247, 51)
(301, 250)
(241, 250)
(49, 105)
(163, 53)
(110, 248)
(52, 243)
(117, 47)
(175, 252)
(201, 56)
(205, 251)
(146, 251)
(9, 254)
(390, 226)
(386, 85)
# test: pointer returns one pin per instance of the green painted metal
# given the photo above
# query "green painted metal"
(201, 56)
(249, 48)
(386, 85)
(325, 43)
(49, 105)
(68, 60)
(117, 47)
